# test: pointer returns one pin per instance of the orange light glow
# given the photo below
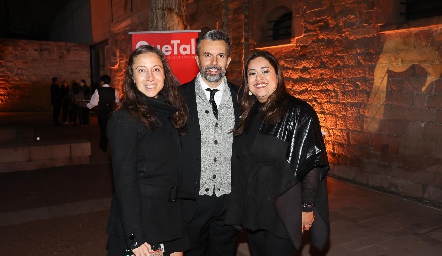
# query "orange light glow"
(275, 46)
(399, 54)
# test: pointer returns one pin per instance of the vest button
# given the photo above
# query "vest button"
(214, 176)
(216, 142)
(214, 159)
(207, 111)
(207, 189)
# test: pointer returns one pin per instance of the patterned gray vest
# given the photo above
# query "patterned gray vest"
(216, 142)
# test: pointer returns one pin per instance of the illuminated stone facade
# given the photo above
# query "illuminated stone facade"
(373, 78)
(27, 67)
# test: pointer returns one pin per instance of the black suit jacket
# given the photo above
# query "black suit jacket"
(191, 148)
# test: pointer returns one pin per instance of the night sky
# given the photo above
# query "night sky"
(28, 19)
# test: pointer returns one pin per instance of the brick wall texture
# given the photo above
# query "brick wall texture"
(377, 91)
(27, 67)
(378, 94)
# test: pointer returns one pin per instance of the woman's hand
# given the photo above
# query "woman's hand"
(307, 220)
(142, 250)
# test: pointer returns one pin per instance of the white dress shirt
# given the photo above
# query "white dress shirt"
(218, 94)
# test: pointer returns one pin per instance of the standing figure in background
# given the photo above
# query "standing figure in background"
(279, 165)
(78, 103)
(66, 116)
(146, 160)
(105, 98)
(87, 96)
(207, 148)
(56, 99)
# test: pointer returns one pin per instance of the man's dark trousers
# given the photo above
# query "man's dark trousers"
(207, 227)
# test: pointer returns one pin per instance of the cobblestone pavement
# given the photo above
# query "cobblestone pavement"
(64, 210)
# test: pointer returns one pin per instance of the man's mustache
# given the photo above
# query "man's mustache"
(213, 67)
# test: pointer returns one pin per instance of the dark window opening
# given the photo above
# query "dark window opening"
(282, 27)
(420, 9)
(128, 5)
(98, 63)
(112, 11)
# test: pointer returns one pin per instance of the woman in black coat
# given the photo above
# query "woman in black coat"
(145, 147)
(279, 165)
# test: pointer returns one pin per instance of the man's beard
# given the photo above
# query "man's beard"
(212, 78)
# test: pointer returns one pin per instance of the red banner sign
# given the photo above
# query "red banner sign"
(178, 46)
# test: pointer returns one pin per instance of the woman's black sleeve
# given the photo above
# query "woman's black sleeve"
(309, 189)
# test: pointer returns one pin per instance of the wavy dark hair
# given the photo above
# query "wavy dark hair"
(132, 97)
(275, 106)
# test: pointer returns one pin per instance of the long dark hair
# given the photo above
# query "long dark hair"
(131, 99)
(275, 106)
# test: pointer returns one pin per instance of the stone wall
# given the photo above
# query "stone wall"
(386, 132)
(26, 69)
(376, 87)
(228, 16)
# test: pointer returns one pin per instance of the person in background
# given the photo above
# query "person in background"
(66, 115)
(279, 165)
(78, 98)
(146, 159)
(87, 96)
(207, 148)
(105, 98)
(56, 99)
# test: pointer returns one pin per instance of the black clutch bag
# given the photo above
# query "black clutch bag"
(158, 249)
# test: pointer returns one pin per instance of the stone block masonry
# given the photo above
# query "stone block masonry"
(377, 94)
(27, 67)
(374, 80)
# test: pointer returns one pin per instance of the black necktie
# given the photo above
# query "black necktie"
(212, 101)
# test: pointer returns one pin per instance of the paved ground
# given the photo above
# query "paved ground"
(64, 210)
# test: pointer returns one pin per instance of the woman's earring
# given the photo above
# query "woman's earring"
(250, 93)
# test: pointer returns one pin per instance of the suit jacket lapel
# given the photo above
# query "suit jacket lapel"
(190, 98)
(234, 93)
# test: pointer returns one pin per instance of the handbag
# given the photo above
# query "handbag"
(158, 249)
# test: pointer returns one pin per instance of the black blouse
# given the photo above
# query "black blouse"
(268, 160)
(309, 183)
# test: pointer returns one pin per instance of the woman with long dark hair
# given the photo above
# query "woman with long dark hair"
(145, 148)
(279, 165)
